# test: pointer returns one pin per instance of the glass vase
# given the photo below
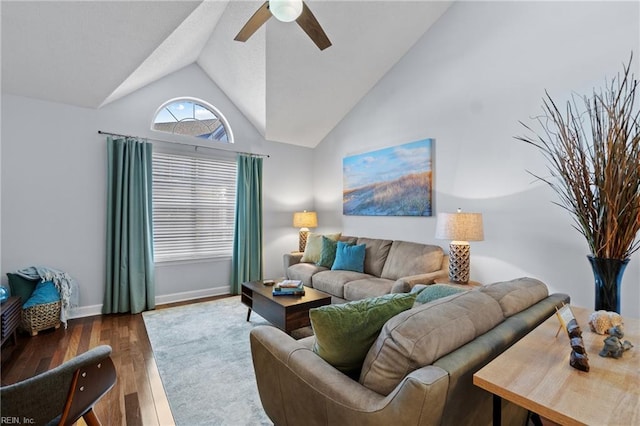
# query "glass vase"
(608, 280)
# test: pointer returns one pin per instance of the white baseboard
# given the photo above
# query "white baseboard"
(87, 311)
(190, 295)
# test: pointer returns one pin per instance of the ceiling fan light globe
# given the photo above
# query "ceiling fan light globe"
(285, 10)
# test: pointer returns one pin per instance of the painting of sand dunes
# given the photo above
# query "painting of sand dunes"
(394, 181)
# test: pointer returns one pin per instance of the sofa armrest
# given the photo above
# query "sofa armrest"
(290, 259)
(287, 370)
(405, 284)
(462, 363)
(445, 264)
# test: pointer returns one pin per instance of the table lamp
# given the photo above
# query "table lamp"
(304, 220)
(460, 228)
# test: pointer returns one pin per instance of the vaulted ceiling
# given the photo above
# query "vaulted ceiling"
(90, 53)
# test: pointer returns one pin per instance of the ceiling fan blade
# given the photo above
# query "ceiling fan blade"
(256, 21)
(312, 27)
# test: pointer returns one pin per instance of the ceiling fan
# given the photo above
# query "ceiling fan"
(286, 11)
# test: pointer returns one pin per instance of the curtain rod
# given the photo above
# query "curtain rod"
(183, 143)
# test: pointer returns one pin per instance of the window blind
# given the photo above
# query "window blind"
(193, 207)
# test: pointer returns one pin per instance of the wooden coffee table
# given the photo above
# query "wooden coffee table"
(285, 312)
(535, 374)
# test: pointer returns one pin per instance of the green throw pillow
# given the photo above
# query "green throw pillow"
(21, 286)
(345, 332)
(314, 246)
(328, 252)
(436, 291)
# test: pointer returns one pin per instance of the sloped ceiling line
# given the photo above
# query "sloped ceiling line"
(181, 48)
(91, 53)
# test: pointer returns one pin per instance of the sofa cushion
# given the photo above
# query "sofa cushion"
(333, 282)
(344, 333)
(349, 258)
(436, 291)
(368, 287)
(406, 258)
(314, 246)
(327, 253)
(348, 239)
(304, 272)
(516, 295)
(419, 336)
(377, 251)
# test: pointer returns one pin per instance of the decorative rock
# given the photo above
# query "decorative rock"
(573, 329)
(613, 347)
(579, 361)
(601, 321)
(579, 358)
(616, 332)
(577, 344)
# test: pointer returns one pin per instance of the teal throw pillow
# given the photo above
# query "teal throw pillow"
(437, 291)
(314, 246)
(349, 257)
(21, 286)
(328, 252)
(345, 332)
(45, 292)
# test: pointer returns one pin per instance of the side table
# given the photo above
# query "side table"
(535, 374)
(10, 317)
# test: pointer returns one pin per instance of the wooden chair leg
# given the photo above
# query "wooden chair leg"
(91, 419)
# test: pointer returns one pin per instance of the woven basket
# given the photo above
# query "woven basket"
(41, 317)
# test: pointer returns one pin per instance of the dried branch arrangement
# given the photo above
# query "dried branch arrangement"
(593, 154)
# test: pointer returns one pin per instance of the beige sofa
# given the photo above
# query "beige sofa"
(389, 267)
(419, 370)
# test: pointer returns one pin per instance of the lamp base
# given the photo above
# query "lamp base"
(302, 240)
(459, 253)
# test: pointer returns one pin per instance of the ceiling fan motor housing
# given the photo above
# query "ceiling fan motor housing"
(285, 10)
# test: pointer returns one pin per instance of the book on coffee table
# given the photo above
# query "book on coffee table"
(290, 283)
(289, 289)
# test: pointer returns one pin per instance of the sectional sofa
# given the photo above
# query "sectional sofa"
(419, 369)
(389, 267)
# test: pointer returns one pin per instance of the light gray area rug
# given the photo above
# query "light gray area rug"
(204, 359)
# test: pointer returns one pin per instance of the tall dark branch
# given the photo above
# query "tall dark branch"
(593, 156)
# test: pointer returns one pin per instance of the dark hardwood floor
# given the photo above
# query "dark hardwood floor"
(138, 397)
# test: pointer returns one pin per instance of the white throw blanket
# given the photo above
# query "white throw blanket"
(65, 283)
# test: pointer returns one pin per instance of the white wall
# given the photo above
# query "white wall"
(467, 83)
(53, 178)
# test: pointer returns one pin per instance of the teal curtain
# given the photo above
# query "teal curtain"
(130, 284)
(246, 264)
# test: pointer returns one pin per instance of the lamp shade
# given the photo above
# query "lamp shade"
(305, 219)
(460, 226)
(285, 10)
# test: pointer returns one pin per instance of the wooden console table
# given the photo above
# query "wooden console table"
(10, 317)
(535, 374)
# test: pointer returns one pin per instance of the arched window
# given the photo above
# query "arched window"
(192, 117)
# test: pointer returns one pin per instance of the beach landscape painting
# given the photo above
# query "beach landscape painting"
(394, 181)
